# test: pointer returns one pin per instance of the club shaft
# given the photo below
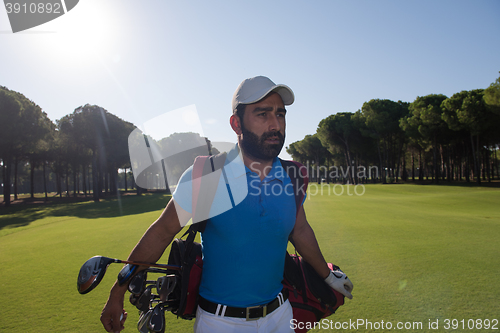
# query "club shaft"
(141, 263)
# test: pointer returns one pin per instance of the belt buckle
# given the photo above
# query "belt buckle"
(264, 312)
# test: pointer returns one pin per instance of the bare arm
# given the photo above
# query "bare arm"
(307, 246)
(160, 234)
(149, 249)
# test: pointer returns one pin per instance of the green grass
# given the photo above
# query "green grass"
(42, 249)
(414, 253)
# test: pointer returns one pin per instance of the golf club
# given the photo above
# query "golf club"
(142, 324)
(126, 273)
(144, 300)
(156, 322)
(93, 270)
(165, 285)
(138, 282)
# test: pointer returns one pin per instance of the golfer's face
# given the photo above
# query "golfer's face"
(266, 117)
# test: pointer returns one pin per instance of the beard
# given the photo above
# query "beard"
(256, 146)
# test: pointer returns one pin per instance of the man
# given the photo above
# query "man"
(243, 247)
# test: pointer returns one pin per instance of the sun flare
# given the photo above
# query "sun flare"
(83, 36)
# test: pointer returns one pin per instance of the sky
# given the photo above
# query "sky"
(149, 62)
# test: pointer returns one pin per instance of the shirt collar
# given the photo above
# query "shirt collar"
(276, 172)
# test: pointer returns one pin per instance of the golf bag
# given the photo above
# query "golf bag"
(310, 296)
(187, 254)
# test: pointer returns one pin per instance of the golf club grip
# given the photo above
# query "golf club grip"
(141, 263)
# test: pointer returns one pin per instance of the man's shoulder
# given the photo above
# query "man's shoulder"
(294, 169)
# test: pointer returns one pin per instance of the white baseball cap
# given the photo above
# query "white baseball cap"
(256, 88)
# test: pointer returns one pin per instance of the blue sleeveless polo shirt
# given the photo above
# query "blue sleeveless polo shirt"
(244, 247)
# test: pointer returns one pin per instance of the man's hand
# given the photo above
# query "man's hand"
(338, 281)
(113, 315)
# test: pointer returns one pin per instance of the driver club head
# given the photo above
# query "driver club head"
(91, 273)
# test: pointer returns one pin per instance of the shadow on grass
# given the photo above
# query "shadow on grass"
(21, 215)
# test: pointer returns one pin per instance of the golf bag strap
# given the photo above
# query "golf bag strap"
(203, 165)
(298, 175)
(203, 187)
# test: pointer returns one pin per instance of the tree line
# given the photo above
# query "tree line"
(85, 148)
(434, 137)
(80, 153)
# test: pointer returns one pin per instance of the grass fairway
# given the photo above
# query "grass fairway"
(42, 250)
(414, 253)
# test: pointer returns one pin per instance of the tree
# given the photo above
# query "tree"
(91, 128)
(10, 113)
(39, 132)
(312, 148)
(338, 131)
(73, 151)
(426, 113)
(382, 118)
(23, 127)
(492, 96)
(467, 111)
(416, 143)
(118, 152)
(293, 150)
